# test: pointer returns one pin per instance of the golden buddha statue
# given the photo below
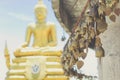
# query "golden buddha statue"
(42, 60)
(44, 33)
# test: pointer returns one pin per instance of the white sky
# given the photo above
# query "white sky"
(15, 15)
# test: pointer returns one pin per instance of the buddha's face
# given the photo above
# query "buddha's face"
(40, 13)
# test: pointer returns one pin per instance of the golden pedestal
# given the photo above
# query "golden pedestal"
(36, 66)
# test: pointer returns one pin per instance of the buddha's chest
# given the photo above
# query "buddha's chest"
(41, 32)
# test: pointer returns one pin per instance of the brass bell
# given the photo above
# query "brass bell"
(112, 17)
(72, 62)
(70, 48)
(83, 55)
(82, 43)
(108, 11)
(117, 11)
(89, 19)
(83, 31)
(66, 67)
(77, 30)
(101, 25)
(101, 9)
(98, 41)
(79, 64)
(76, 55)
(68, 56)
(74, 44)
(64, 58)
(99, 52)
(92, 33)
(76, 36)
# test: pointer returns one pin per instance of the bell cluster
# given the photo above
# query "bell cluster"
(86, 35)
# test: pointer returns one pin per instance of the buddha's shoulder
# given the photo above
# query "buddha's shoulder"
(50, 24)
(31, 25)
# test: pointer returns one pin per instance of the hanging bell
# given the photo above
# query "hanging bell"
(77, 30)
(72, 45)
(75, 44)
(68, 56)
(72, 62)
(66, 67)
(77, 36)
(92, 33)
(79, 64)
(83, 55)
(101, 25)
(117, 11)
(108, 11)
(82, 43)
(75, 54)
(98, 41)
(99, 52)
(83, 30)
(63, 38)
(112, 17)
(89, 20)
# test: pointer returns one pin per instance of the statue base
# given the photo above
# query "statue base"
(36, 64)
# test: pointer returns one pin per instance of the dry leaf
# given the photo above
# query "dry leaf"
(98, 41)
(92, 33)
(112, 18)
(72, 62)
(79, 64)
(101, 9)
(101, 25)
(75, 55)
(117, 11)
(99, 52)
(108, 11)
(82, 43)
(83, 55)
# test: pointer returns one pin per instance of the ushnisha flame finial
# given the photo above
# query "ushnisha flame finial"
(39, 5)
(40, 2)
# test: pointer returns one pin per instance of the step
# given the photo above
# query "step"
(16, 78)
(16, 72)
(53, 65)
(56, 78)
(49, 59)
(55, 71)
(37, 53)
(19, 60)
(17, 66)
(53, 59)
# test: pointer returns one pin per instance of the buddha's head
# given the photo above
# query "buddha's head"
(40, 11)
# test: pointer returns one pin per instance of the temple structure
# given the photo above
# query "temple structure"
(41, 61)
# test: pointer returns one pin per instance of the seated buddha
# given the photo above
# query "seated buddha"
(39, 59)
(44, 33)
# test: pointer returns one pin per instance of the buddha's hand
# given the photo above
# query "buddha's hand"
(25, 44)
(52, 43)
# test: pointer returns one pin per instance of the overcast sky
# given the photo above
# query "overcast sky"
(15, 15)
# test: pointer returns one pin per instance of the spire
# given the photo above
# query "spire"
(7, 56)
(40, 2)
(6, 52)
